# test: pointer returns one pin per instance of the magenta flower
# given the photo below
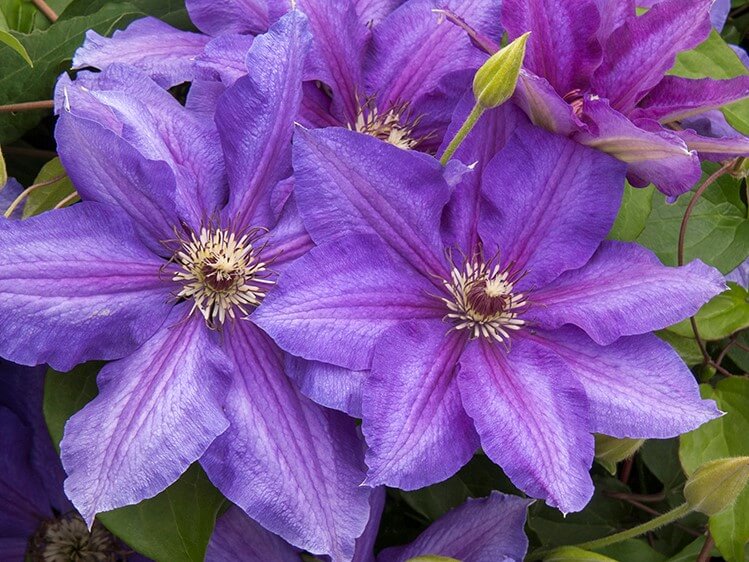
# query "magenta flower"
(391, 69)
(157, 269)
(481, 530)
(515, 326)
(600, 77)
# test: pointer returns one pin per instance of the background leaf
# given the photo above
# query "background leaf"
(47, 197)
(718, 230)
(15, 44)
(50, 50)
(720, 438)
(633, 214)
(725, 314)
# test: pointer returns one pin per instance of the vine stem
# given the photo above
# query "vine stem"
(27, 106)
(44, 8)
(680, 250)
(28, 191)
(707, 548)
(655, 523)
(460, 136)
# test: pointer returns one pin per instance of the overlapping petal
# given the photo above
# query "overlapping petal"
(164, 53)
(77, 284)
(333, 303)
(637, 387)
(157, 412)
(255, 119)
(624, 290)
(675, 98)
(107, 169)
(563, 47)
(638, 54)
(532, 416)
(480, 530)
(291, 465)
(237, 537)
(330, 385)
(413, 420)
(412, 49)
(347, 182)
(540, 192)
(229, 16)
(652, 153)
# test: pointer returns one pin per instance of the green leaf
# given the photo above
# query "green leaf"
(633, 213)
(434, 501)
(686, 347)
(689, 553)
(19, 15)
(725, 314)
(717, 233)
(574, 554)
(633, 549)
(602, 516)
(714, 58)
(15, 44)
(610, 451)
(172, 12)
(174, 526)
(721, 438)
(47, 196)
(65, 394)
(49, 50)
(741, 356)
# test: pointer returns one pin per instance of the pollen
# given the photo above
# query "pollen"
(222, 274)
(483, 300)
(393, 126)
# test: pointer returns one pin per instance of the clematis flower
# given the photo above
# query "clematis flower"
(37, 522)
(600, 78)
(158, 269)
(515, 327)
(394, 72)
(480, 530)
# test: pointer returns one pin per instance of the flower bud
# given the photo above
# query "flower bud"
(574, 554)
(495, 81)
(610, 450)
(715, 485)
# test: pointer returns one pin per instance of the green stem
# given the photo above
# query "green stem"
(469, 124)
(664, 519)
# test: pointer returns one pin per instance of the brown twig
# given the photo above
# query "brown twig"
(31, 152)
(707, 548)
(649, 498)
(626, 470)
(732, 343)
(44, 8)
(70, 198)
(680, 250)
(27, 106)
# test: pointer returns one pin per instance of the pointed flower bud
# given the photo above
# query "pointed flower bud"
(575, 554)
(715, 485)
(610, 450)
(495, 81)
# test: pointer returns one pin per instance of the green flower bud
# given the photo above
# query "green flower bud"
(610, 451)
(574, 554)
(495, 81)
(715, 485)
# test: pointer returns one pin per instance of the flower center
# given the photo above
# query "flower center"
(221, 273)
(484, 300)
(67, 539)
(393, 126)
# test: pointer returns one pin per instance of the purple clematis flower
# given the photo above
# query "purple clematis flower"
(390, 69)
(157, 269)
(37, 522)
(481, 530)
(515, 327)
(600, 78)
